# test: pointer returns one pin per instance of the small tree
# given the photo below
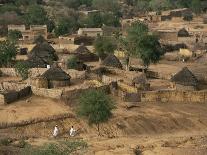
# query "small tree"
(104, 46)
(96, 106)
(72, 63)
(8, 50)
(14, 35)
(22, 68)
(141, 44)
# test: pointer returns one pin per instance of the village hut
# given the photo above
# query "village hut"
(56, 77)
(112, 61)
(183, 33)
(184, 80)
(140, 82)
(85, 55)
(42, 54)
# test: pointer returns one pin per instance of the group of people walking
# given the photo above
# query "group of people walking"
(56, 131)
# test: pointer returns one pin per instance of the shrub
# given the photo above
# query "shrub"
(22, 68)
(96, 107)
(5, 141)
(72, 63)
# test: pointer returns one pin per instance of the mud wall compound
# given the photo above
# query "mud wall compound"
(174, 96)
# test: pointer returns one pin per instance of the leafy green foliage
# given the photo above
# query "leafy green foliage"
(106, 5)
(8, 52)
(62, 148)
(22, 68)
(143, 45)
(196, 6)
(72, 63)
(104, 46)
(96, 107)
(14, 35)
(5, 141)
(66, 26)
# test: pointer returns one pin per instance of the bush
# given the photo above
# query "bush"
(72, 63)
(62, 148)
(96, 107)
(5, 141)
(22, 68)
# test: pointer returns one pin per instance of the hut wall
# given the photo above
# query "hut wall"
(183, 88)
(39, 82)
(57, 84)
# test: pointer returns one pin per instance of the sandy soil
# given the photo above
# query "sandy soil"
(37, 107)
(159, 129)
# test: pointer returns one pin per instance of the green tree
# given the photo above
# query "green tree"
(72, 63)
(196, 6)
(104, 46)
(14, 35)
(66, 26)
(22, 68)
(107, 5)
(141, 44)
(8, 52)
(96, 107)
(35, 15)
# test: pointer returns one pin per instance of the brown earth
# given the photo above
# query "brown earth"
(163, 129)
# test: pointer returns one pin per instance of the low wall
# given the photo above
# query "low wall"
(174, 96)
(8, 71)
(12, 96)
(52, 93)
(12, 86)
(74, 94)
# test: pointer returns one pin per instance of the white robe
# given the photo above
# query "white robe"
(55, 132)
(72, 132)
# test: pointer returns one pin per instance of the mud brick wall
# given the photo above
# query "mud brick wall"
(12, 86)
(174, 96)
(52, 93)
(8, 71)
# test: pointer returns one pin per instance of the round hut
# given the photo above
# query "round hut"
(41, 55)
(140, 82)
(183, 33)
(56, 77)
(85, 55)
(184, 80)
(112, 61)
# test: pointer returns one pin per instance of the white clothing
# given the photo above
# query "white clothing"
(55, 132)
(72, 132)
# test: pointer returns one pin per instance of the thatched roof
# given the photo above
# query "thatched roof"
(185, 77)
(84, 54)
(140, 79)
(183, 33)
(42, 54)
(112, 61)
(57, 74)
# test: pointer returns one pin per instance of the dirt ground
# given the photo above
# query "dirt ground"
(33, 107)
(160, 129)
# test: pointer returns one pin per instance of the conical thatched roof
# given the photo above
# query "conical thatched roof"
(185, 77)
(183, 33)
(57, 74)
(140, 79)
(112, 61)
(84, 54)
(42, 54)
